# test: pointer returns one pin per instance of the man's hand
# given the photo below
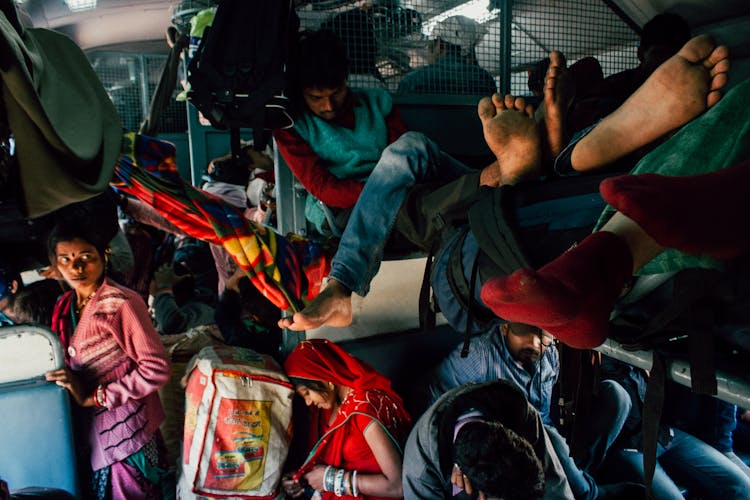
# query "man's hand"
(460, 480)
(50, 272)
(291, 487)
(163, 279)
(233, 282)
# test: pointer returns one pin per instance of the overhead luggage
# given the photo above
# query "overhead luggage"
(36, 435)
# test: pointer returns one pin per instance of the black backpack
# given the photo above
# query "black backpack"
(237, 73)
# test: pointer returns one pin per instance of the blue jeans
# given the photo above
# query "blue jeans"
(612, 405)
(687, 461)
(410, 160)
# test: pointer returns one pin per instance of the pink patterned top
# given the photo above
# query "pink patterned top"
(116, 345)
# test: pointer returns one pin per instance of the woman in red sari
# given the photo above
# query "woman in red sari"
(357, 429)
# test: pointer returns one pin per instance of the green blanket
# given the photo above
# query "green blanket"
(717, 139)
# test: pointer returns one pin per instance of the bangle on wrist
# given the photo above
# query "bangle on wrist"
(328, 478)
(348, 483)
(338, 485)
(355, 490)
(100, 397)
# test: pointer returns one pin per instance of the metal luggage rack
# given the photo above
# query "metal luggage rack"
(732, 382)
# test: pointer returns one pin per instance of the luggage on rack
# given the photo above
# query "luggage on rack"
(36, 435)
(238, 415)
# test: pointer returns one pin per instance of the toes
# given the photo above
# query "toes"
(557, 59)
(298, 323)
(719, 81)
(519, 103)
(529, 110)
(713, 97)
(509, 101)
(486, 109)
(718, 56)
(698, 48)
(720, 67)
(549, 84)
(498, 100)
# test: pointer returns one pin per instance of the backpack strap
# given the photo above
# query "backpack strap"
(494, 233)
(652, 408)
(455, 271)
(428, 308)
(688, 313)
(471, 309)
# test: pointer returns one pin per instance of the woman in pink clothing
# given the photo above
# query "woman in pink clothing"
(115, 363)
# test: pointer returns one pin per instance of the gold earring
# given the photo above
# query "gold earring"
(330, 385)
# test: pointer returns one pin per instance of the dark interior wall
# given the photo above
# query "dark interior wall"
(454, 126)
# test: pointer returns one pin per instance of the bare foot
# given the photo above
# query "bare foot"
(513, 136)
(676, 92)
(332, 307)
(558, 94)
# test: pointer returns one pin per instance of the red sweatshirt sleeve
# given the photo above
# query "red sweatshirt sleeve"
(309, 169)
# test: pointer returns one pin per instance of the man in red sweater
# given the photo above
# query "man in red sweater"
(352, 152)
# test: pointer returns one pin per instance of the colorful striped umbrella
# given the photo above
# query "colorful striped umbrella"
(287, 270)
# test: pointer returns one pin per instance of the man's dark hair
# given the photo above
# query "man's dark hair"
(499, 462)
(665, 30)
(260, 308)
(319, 60)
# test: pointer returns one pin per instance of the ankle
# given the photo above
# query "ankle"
(491, 176)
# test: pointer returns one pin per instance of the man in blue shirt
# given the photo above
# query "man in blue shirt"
(509, 351)
(528, 357)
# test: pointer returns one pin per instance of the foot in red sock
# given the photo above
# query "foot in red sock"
(572, 296)
(698, 214)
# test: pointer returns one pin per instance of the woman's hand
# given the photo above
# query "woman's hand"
(66, 378)
(315, 477)
(291, 487)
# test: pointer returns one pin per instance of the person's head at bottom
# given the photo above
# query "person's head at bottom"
(498, 463)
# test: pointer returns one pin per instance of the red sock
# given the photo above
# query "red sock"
(572, 296)
(697, 214)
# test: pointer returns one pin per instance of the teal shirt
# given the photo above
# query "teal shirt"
(350, 154)
(347, 153)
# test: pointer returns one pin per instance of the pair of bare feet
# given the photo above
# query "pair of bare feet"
(572, 296)
(521, 138)
(679, 90)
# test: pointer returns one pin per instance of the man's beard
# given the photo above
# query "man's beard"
(528, 356)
